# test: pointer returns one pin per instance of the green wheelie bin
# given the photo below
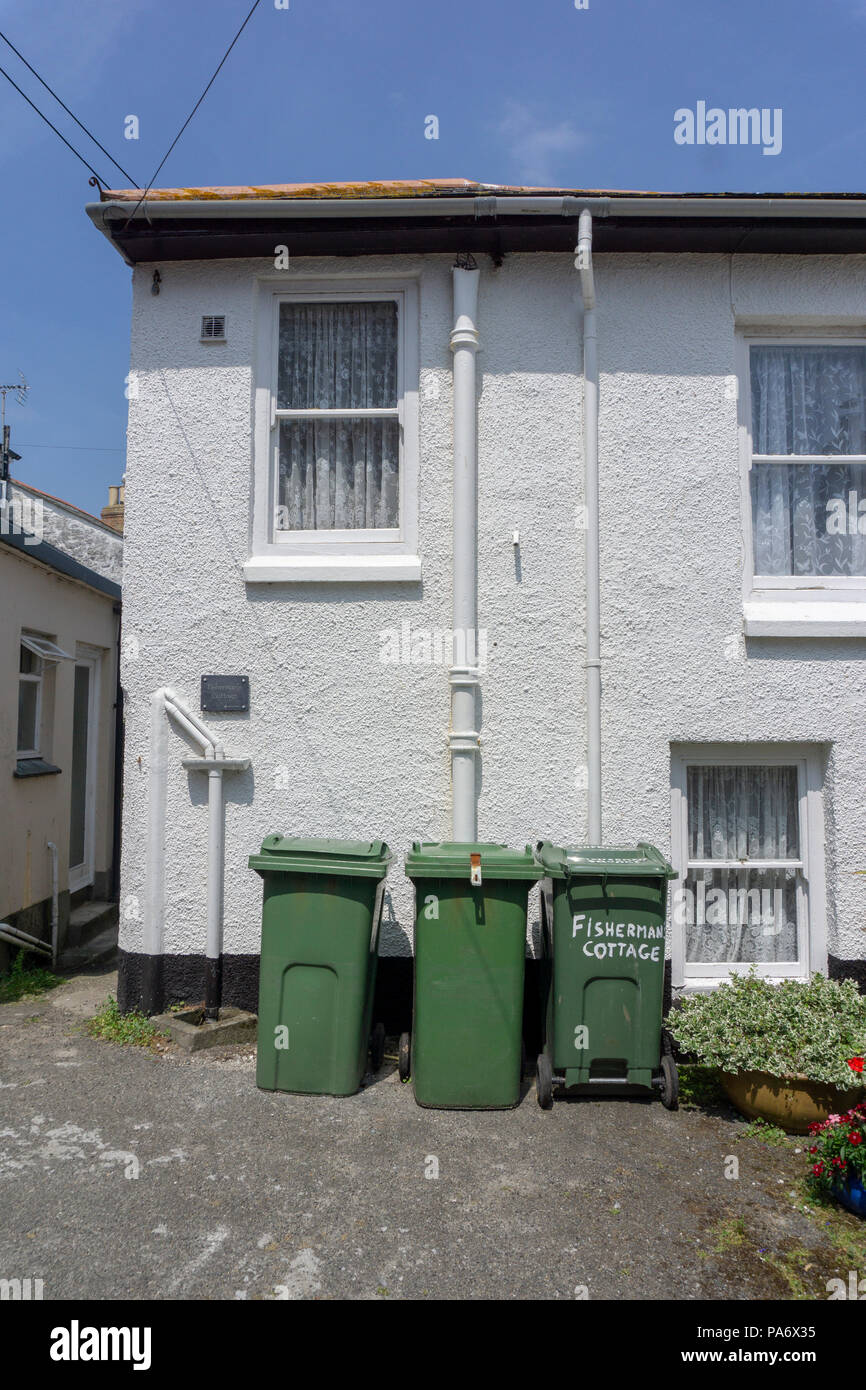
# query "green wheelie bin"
(465, 1049)
(602, 972)
(320, 944)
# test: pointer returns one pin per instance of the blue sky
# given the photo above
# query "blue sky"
(531, 92)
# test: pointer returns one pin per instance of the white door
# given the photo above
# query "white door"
(85, 744)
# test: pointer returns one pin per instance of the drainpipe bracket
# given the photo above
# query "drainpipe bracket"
(215, 764)
(464, 741)
(465, 337)
(464, 675)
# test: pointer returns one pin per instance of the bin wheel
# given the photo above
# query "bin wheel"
(670, 1083)
(404, 1053)
(544, 1081)
(377, 1047)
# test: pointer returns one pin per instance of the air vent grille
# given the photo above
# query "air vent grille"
(213, 328)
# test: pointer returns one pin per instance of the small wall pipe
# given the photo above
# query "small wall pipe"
(583, 263)
(216, 893)
(164, 703)
(55, 903)
(463, 737)
(10, 935)
(24, 938)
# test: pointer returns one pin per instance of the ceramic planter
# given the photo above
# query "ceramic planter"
(851, 1193)
(790, 1102)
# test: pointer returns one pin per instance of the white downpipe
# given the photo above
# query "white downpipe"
(216, 863)
(213, 760)
(463, 737)
(55, 902)
(583, 263)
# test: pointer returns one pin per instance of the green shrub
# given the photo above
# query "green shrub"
(803, 1028)
(113, 1026)
(23, 983)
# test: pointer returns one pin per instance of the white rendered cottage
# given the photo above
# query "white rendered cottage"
(318, 373)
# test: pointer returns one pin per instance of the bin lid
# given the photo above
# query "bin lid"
(451, 859)
(293, 855)
(614, 861)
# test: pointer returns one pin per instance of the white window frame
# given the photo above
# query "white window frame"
(362, 554)
(811, 901)
(32, 678)
(791, 605)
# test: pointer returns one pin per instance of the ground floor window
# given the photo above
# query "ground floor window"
(750, 892)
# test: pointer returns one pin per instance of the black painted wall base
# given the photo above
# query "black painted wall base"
(154, 983)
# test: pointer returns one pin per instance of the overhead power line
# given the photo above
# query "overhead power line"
(193, 111)
(80, 124)
(98, 177)
(83, 448)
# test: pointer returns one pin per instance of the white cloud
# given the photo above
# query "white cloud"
(538, 148)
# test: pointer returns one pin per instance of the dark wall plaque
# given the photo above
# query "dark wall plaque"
(225, 694)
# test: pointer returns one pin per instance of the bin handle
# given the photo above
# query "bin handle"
(377, 915)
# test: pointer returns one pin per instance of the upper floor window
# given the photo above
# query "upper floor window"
(338, 417)
(808, 464)
(336, 432)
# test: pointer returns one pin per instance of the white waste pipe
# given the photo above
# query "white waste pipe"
(24, 943)
(216, 891)
(583, 263)
(24, 938)
(463, 738)
(55, 902)
(212, 760)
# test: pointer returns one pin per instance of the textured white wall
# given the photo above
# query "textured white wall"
(343, 745)
(340, 743)
(672, 551)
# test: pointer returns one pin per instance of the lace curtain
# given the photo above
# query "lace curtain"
(338, 473)
(808, 400)
(742, 914)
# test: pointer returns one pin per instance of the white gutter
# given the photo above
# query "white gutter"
(463, 737)
(583, 263)
(482, 205)
(214, 761)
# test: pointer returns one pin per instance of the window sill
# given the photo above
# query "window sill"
(706, 984)
(34, 767)
(314, 569)
(802, 617)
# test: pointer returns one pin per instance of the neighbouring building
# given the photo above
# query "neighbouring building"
(60, 571)
(289, 517)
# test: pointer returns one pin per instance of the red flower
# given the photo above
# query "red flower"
(818, 1169)
(856, 1064)
(814, 1149)
(855, 1137)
